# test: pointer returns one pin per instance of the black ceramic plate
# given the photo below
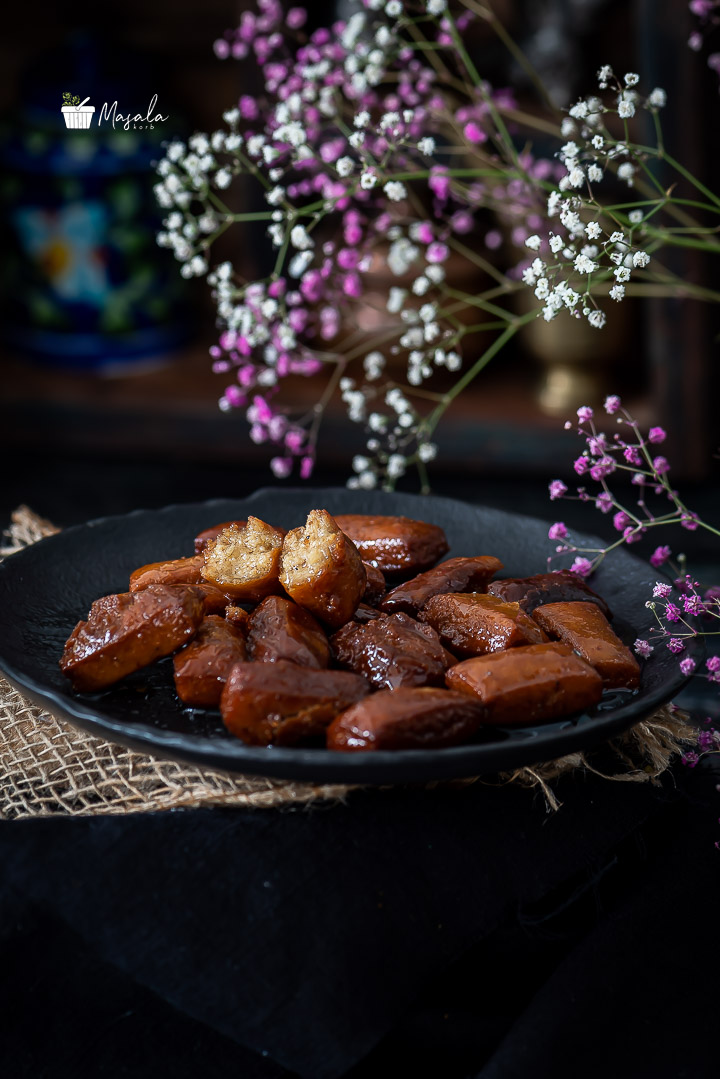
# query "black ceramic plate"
(48, 587)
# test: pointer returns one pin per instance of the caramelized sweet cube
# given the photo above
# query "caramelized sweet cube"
(176, 571)
(391, 651)
(454, 575)
(238, 617)
(530, 684)
(471, 623)
(244, 562)
(322, 570)
(375, 587)
(395, 545)
(560, 587)
(282, 704)
(201, 668)
(419, 718)
(126, 632)
(208, 535)
(585, 628)
(279, 629)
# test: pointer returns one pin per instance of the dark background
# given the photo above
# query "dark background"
(89, 437)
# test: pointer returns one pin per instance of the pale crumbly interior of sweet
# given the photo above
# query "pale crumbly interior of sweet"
(307, 551)
(241, 555)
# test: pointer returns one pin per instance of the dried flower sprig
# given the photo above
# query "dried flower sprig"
(377, 146)
(683, 611)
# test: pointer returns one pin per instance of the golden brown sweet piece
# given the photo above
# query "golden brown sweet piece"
(214, 600)
(560, 587)
(177, 571)
(244, 562)
(282, 704)
(209, 534)
(406, 719)
(392, 651)
(454, 575)
(128, 631)
(585, 628)
(395, 545)
(201, 668)
(530, 684)
(322, 570)
(376, 585)
(471, 624)
(279, 629)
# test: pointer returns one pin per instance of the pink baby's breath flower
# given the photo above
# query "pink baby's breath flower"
(584, 414)
(581, 566)
(693, 604)
(604, 502)
(612, 404)
(621, 520)
(437, 252)
(306, 467)
(557, 489)
(557, 531)
(660, 556)
(581, 465)
(632, 455)
(473, 133)
(661, 465)
(602, 468)
(642, 648)
(656, 434)
(689, 521)
(281, 467)
(687, 665)
(675, 645)
(672, 613)
(713, 664)
(632, 535)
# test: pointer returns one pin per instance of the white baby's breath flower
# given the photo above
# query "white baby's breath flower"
(631, 79)
(300, 239)
(595, 174)
(657, 99)
(426, 146)
(635, 217)
(598, 142)
(368, 180)
(556, 244)
(617, 292)
(396, 299)
(593, 230)
(626, 172)
(640, 258)
(436, 7)
(597, 319)
(223, 178)
(345, 165)
(626, 108)
(395, 190)
(533, 242)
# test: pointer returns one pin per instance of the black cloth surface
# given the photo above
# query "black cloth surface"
(446, 933)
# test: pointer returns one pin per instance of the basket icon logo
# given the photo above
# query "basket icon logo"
(77, 113)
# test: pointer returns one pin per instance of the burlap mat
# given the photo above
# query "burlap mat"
(48, 767)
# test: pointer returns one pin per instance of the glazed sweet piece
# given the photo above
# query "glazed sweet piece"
(406, 719)
(201, 668)
(244, 562)
(392, 651)
(472, 624)
(282, 704)
(395, 545)
(585, 628)
(238, 617)
(454, 575)
(176, 571)
(375, 587)
(279, 629)
(560, 587)
(530, 684)
(126, 632)
(321, 569)
(209, 534)
(364, 613)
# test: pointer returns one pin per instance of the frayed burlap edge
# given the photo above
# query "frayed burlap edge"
(48, 767)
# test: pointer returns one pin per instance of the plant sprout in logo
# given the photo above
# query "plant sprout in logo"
(77, 113)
